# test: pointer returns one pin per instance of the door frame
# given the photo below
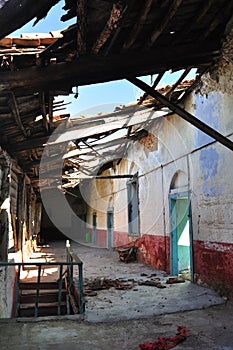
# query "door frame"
(94, 226)
(131, 217)
(110, 229)
(173, 232)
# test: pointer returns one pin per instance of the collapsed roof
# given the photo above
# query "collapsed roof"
(110, 40)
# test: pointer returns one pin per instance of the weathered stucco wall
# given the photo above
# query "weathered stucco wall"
(177, 158)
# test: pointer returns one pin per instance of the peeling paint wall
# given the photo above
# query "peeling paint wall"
(183, 160)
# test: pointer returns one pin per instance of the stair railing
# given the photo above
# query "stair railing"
(72, 261)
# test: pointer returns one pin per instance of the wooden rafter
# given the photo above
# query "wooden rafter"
(109, 28)
(27, 144)
(217, 20)
(200, 14)
(164, 22)
(139, 25)
(81, 27)
(15, 111)
(124, 15)
(181, 78)
(43, 111)
(157, 80)
(196, 18)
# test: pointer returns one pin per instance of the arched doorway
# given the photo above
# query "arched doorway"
(181, 259)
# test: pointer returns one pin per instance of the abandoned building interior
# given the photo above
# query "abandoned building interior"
(152, 179)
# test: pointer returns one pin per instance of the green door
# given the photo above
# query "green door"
(180, 240)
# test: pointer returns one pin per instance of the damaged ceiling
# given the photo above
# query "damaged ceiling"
(110, 40)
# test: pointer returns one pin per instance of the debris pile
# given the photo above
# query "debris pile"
(164, 343)
(100, 283)
(91, 285)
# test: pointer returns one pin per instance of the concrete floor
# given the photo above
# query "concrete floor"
(121, 319)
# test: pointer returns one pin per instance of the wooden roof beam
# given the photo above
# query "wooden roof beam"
(91, 70)
(170, 13)
(81, 26)
(183, 113)
(109, 28)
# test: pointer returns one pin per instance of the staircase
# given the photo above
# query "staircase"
(48, 297)
(43, 297)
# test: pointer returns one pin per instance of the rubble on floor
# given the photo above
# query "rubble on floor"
(100, 283)
(91, 285)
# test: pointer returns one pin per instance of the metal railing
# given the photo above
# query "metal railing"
(72, 261)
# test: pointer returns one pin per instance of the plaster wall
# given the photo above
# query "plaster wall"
(177, 157)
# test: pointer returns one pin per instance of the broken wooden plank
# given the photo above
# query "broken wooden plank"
(137, 117)
(90, 70)
(97, 147)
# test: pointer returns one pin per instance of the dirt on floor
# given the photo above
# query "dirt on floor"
(209, 329)
(136, 305)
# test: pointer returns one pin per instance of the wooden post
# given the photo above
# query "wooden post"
(20, 209)
(4, 205)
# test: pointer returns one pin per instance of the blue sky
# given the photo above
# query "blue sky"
(102, 96)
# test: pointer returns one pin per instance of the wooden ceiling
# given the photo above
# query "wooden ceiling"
(110, 40)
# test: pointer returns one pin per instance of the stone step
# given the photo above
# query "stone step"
(43, 285)
(29, 296)
(44, 309)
